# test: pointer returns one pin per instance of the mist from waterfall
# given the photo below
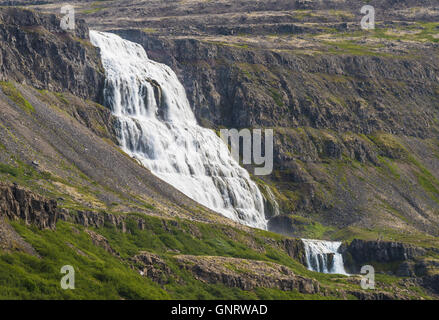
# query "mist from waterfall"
(324, 256)
(156, 125)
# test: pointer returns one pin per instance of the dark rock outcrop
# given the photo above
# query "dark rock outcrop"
(99, 219)
(361, 252)
(100, 241)
(295, 249)
(405, 269)
(247, 274)
(18, 203)
(431, 283)
(151, 266)
(425, 267)
(282, 224)
(36, 51)
(364, 295)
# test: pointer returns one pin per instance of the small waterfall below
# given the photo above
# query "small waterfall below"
(157, 126)
(324, 256)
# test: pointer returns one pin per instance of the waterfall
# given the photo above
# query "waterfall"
(156, 125)
(324, 256)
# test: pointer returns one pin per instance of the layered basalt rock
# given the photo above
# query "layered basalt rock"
(295, 249)
(36, 51)
(99, 219)
(152, 266)
(100, 241)
(362, 252)
(247, 274)
(18, 203)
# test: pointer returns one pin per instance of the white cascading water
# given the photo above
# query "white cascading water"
(324, 256)
(157, 126)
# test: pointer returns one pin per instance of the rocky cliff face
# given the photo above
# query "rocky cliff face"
(295, 249)
(362, 252)
(98, 219)
(151, 266)
(46, 57)
(246, 275)
(401, 259)
(247, 87)
(17, 203)
(231, 17)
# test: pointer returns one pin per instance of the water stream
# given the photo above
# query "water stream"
(156, 125)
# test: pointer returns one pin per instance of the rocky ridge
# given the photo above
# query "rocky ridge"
(362, 251)
(246, 274)
(47, 57)
(19, 204)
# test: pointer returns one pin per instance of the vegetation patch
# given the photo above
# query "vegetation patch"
(98, 274)
(23, 172)
(277, 97)
(353, 48)
(14, 94)
(389, 145)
